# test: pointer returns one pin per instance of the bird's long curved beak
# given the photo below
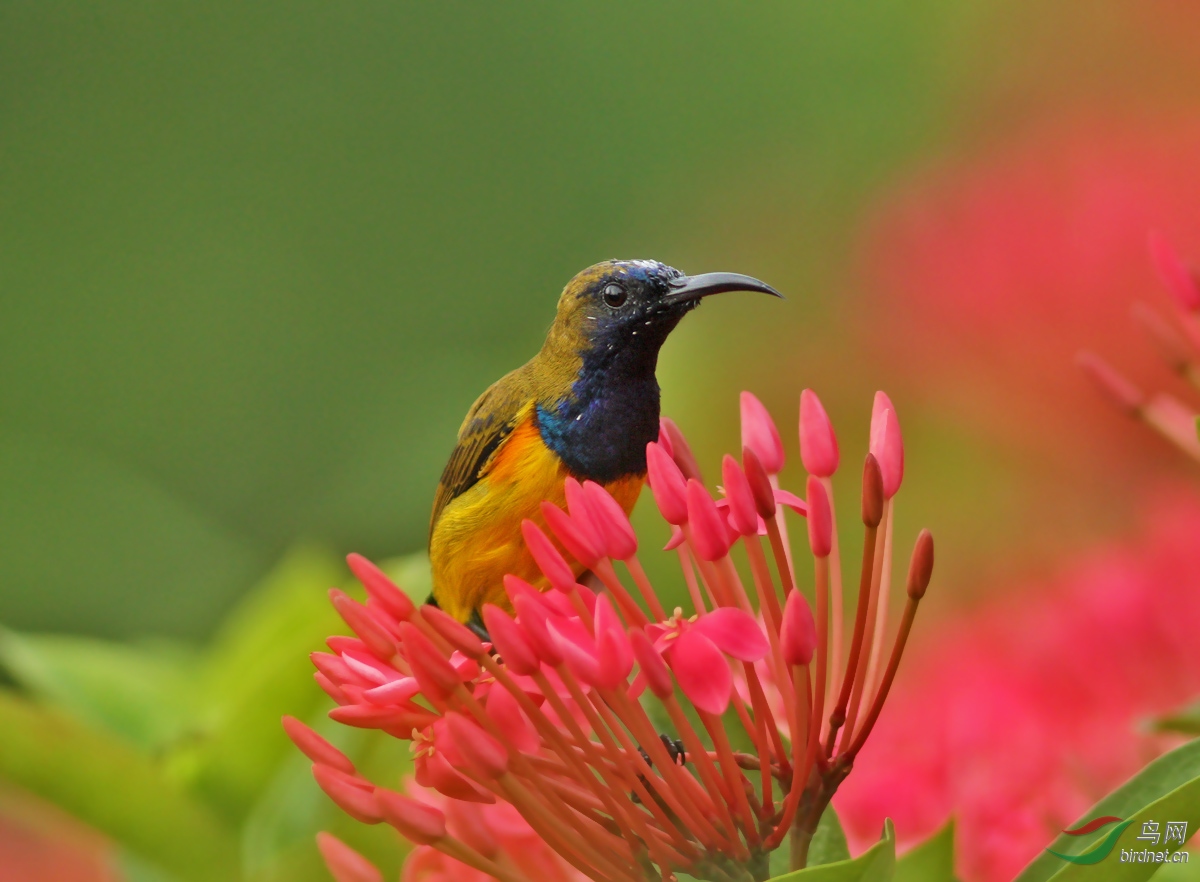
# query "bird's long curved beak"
(690, 288)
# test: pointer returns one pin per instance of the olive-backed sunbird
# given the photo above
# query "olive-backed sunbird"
(585, 406)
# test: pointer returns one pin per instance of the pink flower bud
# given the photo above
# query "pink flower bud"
(887, 444)
(760, 484)
(397, 692)
(352, 795)
(818, 443)
(743, 515)
(760, 434)
(416, 821)
(533, 625)
(567, 530)
(820, 518)
(613, 653)
(872, 492)
(515, 587)
(315, 747)
(330, 688)
(580, 509)
(920, 568)
(552, 564)
(612, 522)
(680, 451)
(1174, 274)
(503, 710)
(509, 641)
(366, 716)
(798, 635)
(709, 538)
(333, 667)
(652, 667)
(373, 634)
(344, 863)
(483, 753)
(433, 671)
(380, 588)
(458, 635)
(578, 649)
(667, 484)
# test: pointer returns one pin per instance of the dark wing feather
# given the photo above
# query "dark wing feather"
(488, 423)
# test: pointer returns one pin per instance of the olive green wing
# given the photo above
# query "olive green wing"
(488, 424)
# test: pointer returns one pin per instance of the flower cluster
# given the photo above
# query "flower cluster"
(1178, 344)
(538, 750)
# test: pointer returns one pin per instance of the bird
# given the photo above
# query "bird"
(585, 406)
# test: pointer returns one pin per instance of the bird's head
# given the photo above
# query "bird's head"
(630, 306)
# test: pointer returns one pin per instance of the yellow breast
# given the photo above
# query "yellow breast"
(477, 539)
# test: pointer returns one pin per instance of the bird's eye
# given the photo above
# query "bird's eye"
(614, 295)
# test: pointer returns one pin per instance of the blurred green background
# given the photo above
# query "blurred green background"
(256, 261)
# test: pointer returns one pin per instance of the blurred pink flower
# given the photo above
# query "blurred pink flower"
(1016, 717)
(990, 276)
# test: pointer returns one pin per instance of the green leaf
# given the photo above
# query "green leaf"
(1157, 780)
(1185, 720)
(931, 861)
(255, 671)
(876, 864)
(1181, 804)
(143, 694)
(107, 784)
(828, 844)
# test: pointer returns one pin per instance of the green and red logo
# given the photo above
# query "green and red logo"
(1101, 849)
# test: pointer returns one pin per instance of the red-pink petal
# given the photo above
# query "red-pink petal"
(760, 434)
(702, 672)
(677, 539)
(818, 443)
(708, 537)
(734, 632)
(886, 444)
(792, 501)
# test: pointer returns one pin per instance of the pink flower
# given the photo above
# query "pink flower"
(534, 753)
(1016, 717)
(993, 274)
